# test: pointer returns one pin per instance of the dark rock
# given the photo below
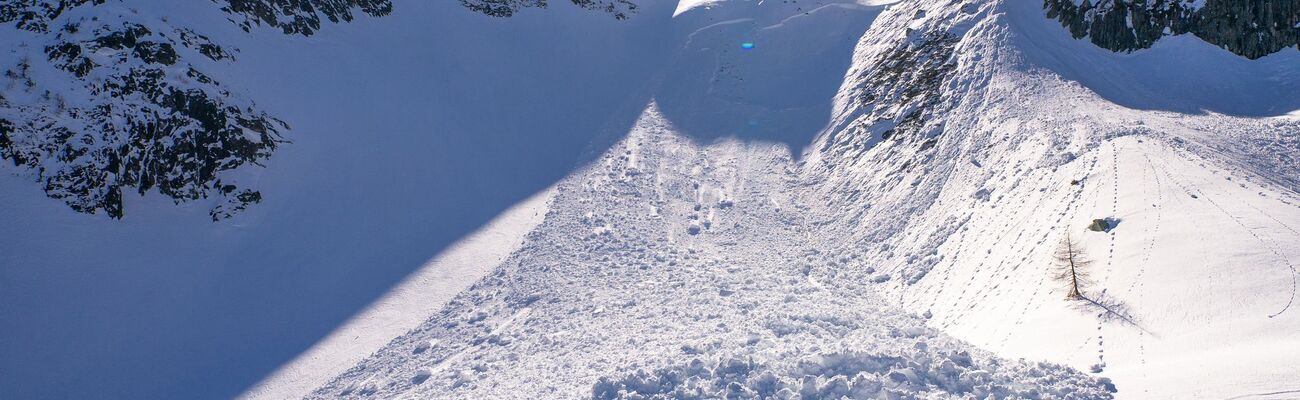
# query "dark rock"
(35, 15)
(139, 125)
(907, 78)
(1103, 225)
(620, 9)
(302, 17)
(147, 119)
(1250, 28)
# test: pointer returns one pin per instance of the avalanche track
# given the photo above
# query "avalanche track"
(673, 270)
(678, 267)
(772, 199)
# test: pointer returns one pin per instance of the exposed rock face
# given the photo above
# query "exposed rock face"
(620, 9)
(97, 106)
(35, 15)
(1250, 28)
(129, 114)
(101, 103)
(910, 77)
(291, 16)
(897, 97)
(301, 16)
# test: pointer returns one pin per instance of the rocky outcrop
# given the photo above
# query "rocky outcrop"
(102, 104)
(291, 16)
(910, 77)
(35, 15)
(129, 113)
(620, 9)
(1250, 28)
(899, 94)
(301, 17)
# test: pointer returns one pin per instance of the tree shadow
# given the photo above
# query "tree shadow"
(1109, 309)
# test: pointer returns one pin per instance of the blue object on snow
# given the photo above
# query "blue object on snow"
(747, 45)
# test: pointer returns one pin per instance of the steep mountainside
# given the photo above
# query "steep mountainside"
(99, 100)
(955, 161)
(723, 198)
(620, 9)
(392, 157)
(666, 270)
(961, 220)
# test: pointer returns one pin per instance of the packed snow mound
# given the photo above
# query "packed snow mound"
(852, 375)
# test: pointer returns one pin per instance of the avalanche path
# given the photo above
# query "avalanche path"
(675, 270)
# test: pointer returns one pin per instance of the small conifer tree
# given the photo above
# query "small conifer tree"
(1072, 267)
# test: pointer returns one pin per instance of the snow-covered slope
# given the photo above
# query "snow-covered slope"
(1031, 145)
(965, 142)
(853, 198)
(674, 270)
(399, 147)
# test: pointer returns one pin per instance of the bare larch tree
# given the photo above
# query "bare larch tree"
(1071, 267)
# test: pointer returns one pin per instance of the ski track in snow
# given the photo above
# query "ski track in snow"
(1267, 395)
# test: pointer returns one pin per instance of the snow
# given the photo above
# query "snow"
(780, 90)
(404, 143)
(1209, 285)
(646, 310)
(1178, 73)
(562, 205)
(1201, 176)
(407, 304)
(686, 5)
